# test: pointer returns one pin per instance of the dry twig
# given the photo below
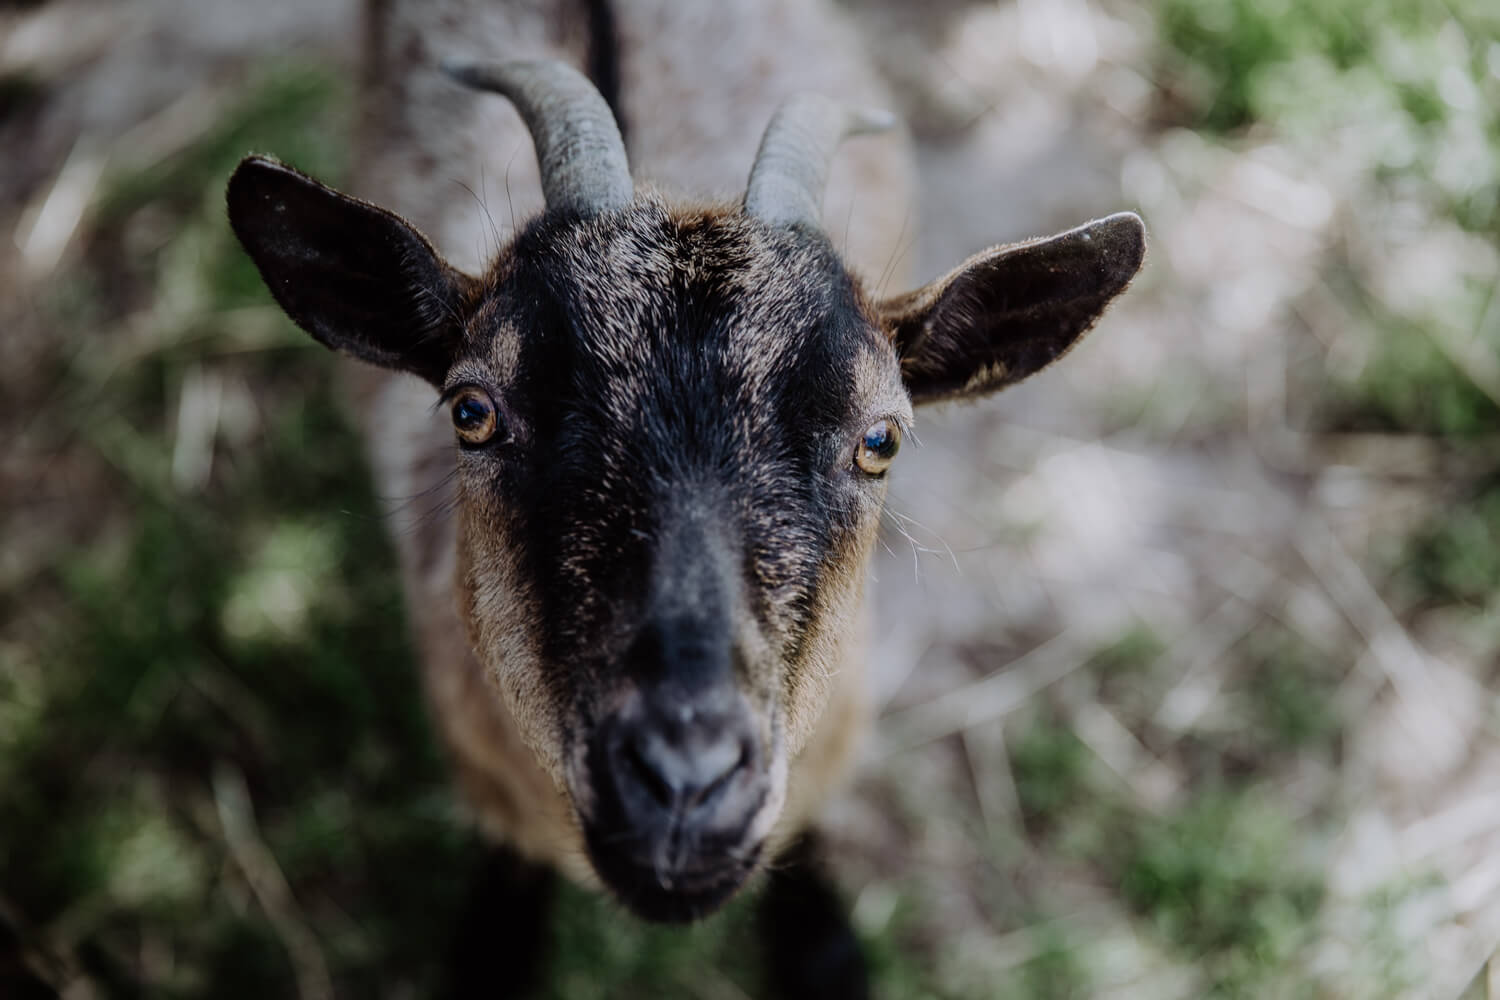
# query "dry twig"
(258, 865)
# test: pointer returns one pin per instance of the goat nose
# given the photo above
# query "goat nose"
(684, 765)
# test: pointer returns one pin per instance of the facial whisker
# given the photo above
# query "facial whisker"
(510, 201)
(898, 250)
(903, 519)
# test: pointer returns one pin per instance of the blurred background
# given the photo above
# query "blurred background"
(1188, 648)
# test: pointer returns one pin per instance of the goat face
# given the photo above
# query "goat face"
(672, 483)
(673, 428)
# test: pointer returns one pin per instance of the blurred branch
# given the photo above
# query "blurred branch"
(1195, 654)
(47, 226)
(25, 965)
(1438, 716)
(986, 700)
(990, 775)
(1153, 784)
(258, 864)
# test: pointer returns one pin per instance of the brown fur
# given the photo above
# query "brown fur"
(425, 139)
(506, 747)
(722, 333)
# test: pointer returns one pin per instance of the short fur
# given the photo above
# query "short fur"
(641, 629)
(722, 68)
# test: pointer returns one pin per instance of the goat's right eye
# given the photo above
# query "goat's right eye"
(474, 415)
(877, 449)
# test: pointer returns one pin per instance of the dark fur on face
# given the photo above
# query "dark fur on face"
(673, 366)
(662, 526)
(683, 396)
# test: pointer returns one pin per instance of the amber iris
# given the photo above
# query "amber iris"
(474, 415)
(878, 447)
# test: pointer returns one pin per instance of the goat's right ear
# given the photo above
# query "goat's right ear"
(1009, 312)
(360, 279)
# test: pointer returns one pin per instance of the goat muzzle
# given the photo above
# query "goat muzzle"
(678, 781)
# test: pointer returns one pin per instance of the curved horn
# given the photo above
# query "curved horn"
(786, 183)
(578, 144)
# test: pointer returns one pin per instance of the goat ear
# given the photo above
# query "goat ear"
(1009, 312)
(360, 279)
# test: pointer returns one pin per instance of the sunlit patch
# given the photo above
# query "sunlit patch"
(22, 698)
(293, 570)
(153, 862)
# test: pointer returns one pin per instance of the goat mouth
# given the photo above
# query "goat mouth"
(665, 885)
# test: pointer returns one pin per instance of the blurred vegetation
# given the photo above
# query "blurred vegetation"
(193, 640)
(1457, 560)
(1397, 102)
(1406, 95)
(1220, 880)
(201, 660)
(599, 953)
(1216, 874)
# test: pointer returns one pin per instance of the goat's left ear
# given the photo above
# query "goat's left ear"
(1009, 312)
(360, 279)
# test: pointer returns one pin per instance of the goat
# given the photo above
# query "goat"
(674, 420)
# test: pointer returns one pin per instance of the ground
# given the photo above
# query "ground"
(1186, 650)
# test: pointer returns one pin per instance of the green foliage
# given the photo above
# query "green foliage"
(1049, 767)
(276, 116)
(1227, 59)
(1055, 973)
(250, 628)
(1221, 881)
(1410, 385)
(600, 952)
(1066, 804)
(1291, 695)
(1455, 559)
(1217, 877)
(1218, 52)
(1129, 654)
(1404, 85)
(152, 689)
(1124, 672)
(1401, 100)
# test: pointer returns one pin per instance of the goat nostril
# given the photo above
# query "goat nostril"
(712, 788)
(652, 779)
(685, 774)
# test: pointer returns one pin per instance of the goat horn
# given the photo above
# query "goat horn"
(578, 144)
(791, 169)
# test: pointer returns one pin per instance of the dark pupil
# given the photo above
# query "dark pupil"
(469, 413)
(880, 440)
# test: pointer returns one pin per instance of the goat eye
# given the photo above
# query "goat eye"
(877, 449)
(474, 415)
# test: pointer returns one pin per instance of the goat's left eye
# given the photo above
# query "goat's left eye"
(474, 415)
(877, 449)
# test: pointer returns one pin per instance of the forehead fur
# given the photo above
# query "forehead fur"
(659, 299)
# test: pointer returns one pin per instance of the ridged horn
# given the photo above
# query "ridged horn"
(791, 169)
(578, 144)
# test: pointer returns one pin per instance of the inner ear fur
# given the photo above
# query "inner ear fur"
(360, 279)
(1009, 312)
